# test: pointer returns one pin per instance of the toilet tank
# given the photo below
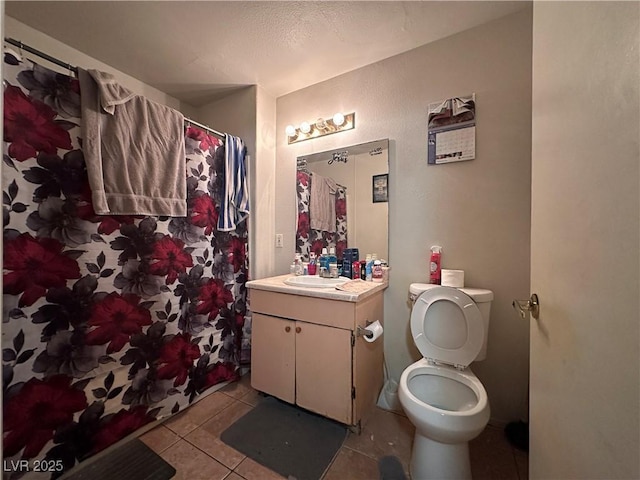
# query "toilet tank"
(480, 296)
(483, 299)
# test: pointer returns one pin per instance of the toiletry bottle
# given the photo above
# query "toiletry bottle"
(376, 274)
(298, 263)
(435, 265)
(369, 268)
(385, 270)
(333, 263)
(346, 263)
(324, 263)
(311, 268)
(355, 269)
(363, 269)
(347, 267)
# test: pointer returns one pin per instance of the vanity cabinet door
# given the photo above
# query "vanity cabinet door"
(273, 356)
(324, 370)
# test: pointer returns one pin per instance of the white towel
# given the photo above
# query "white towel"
(322, 204)
(234, 208)
(134, 150)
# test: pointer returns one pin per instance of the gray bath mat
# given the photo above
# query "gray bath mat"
(286, 439)
(131, 461)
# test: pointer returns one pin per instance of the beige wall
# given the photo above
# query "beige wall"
(372, 219)
(479, 211)
(263, 178)
(38, 40)
(234, 114)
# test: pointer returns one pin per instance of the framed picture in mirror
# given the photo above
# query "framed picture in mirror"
(381, 188)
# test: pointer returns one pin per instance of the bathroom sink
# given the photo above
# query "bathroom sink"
(311, 281)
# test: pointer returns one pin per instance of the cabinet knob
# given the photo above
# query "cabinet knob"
(298, 329)
(287, 329)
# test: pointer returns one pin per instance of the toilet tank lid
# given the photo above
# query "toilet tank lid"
(478, 295)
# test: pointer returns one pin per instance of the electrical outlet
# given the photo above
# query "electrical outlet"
(279, 240)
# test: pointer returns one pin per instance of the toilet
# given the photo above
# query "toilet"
(440, 394)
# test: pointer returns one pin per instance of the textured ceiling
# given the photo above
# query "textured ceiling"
(198, 51)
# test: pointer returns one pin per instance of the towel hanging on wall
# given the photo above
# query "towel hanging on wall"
(234, 208)
(322, 204)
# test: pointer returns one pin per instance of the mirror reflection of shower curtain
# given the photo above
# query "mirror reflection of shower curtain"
(312, 240)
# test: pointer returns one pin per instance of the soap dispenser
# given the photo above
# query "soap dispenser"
(333, 263)
(324, 263)
(298, 264)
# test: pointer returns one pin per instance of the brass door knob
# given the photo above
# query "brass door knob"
(532, 305)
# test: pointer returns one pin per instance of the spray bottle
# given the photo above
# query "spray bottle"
(311, 268)
(435, 265)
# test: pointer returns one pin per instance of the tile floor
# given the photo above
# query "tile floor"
(190, 441)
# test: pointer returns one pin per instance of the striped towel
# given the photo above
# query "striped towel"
(234, 207)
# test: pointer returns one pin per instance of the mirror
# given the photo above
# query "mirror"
(342, 198)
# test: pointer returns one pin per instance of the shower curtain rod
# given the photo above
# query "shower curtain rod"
(68, 66)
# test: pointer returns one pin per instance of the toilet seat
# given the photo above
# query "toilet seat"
(447, 327)
(466, 379)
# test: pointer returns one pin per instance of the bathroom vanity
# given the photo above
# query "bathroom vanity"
(307, 348)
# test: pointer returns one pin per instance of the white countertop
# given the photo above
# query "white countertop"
(276, 284)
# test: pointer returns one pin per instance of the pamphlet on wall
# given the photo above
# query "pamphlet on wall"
(452, 130)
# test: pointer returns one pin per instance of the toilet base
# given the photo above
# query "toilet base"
(431, 460)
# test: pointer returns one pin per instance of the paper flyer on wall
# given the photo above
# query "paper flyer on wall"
(452, 130)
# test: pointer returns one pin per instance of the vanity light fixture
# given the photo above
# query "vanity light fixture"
(305, 128)
(291, 131)
(305, 131)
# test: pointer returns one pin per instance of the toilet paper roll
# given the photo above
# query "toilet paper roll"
(375, 332)
(452, 278)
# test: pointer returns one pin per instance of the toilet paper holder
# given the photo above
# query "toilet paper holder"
(362, 331)
(523, 306)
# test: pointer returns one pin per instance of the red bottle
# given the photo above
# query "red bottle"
(311, 268)
(435, 265)
(355, 270)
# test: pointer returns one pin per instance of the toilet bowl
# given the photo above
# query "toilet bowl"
(441, 396)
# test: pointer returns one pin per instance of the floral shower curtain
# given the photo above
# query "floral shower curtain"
(109, 322)
(311, 240)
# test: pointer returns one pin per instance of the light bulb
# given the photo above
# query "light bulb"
(321, 124)
(305, 127)
(338, 119)
(290, 131)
